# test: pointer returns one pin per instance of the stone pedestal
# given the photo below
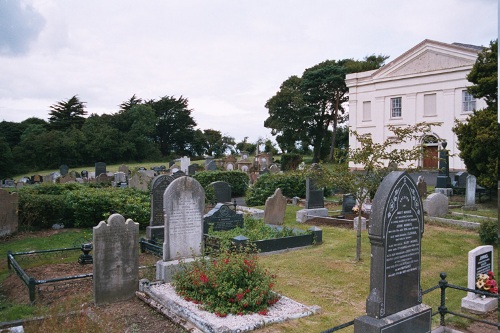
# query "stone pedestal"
(416, 319)
(363, 223)
(155, 232)
(446, 191)
(166, 269)
(476, 304)
(303, 215)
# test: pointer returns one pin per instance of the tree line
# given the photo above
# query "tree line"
(141, 130)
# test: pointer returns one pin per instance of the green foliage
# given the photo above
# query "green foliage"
(82, 206)
(292, 184)
(229, 282)
(484, 76)
(237, 179)
(488, 232)
(290, 161)
(65, 114)
(253, 229)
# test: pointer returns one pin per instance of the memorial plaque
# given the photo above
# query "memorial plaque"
(396, 228)
(222, 217)
(184, 203)
(483, 263)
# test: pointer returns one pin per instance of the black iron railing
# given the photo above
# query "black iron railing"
(442, 310)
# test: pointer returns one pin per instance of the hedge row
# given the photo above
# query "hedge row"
(237, 179)
(81, 206)
(292, 184)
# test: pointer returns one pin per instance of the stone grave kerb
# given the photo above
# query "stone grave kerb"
(396, 205)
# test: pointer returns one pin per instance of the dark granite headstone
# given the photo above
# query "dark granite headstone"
(396, 228)
(222, 217)
(85, 174)
(461, 179)
(443, 179)
(211, 166)
(222, 191)
(158, 186)
(63, 170)
(192, 169)
(348, 203)
(100, 167)
(314, 196)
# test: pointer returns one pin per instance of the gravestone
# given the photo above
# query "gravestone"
(116, 259)
(211, 166)
(104, 178)
(222, 191)
(100, 167)
(192, 169)
(274, 169)
(222, 217)
(9, 183)
(184, 204)
(314, 196)
(158, 186)
(123, 168)
(396, 227)
(470, 193)
(461, 179)
(348, 203)
(356, 223)
(443, 181)
(120, 177)
(422, 187)
(75, 174)
(63, 169)
(85, 174)
(36, 179)
(66, 179)
(8, 213)
(436, 205)
(480, 261)
(275, 208)
(140, 181)
(185, 162)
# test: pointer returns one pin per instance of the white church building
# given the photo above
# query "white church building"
(425, 84)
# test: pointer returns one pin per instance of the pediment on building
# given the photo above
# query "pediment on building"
(428, 56)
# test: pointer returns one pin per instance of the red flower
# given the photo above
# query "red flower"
(263, 312)
(203, 278)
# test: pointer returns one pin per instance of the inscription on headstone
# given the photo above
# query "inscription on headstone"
(222, 217)
(395, 232)
(116, 259)
(184, 203)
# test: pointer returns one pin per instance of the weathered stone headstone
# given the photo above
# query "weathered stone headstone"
(356, 223)
(192, 169)
(211, 166)
(100, 167)
(140, 181)
(422, 187)
(9, 183)
(120, 177)
(104, 178)
(480, 261)
(314, 196)
(222, 191)
(116, 259)
(123, 168)
(8, 213)
(66, 179)
(274, 169)
(275, 208)
(184, 204)
(470, 193)
(396, 228)
(436, 205)
(36, 179)
(348, 203)
(222, 217)
(63, 169)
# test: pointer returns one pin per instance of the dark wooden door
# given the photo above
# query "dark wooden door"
(430, 157)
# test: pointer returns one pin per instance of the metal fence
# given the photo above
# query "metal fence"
(442, 310)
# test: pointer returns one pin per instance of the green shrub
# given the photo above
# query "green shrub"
(292, 184)
(230, 282)
(488, 232)
(237, 179)
(290, 161)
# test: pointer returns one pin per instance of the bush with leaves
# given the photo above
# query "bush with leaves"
(237, 179)
(227, 282)
(488, 232)
(292, 184)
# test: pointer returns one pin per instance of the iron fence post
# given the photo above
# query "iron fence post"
(32, 289)
(443, 284)
(9, 253)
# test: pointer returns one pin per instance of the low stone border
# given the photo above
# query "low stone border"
(460, 223)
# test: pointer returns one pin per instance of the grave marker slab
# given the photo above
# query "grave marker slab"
(192, 169)
(395, 232)
(63, 169)
(222, 191)
(100, 167)
(116, 259)
(158, 186)
(9, 221)
(436, 204)
(470, 193)
(222, 217)
(275, 208)
(184, 205)
(314, 196)
(348, 203)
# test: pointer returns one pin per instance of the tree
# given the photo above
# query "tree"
(478, 137)
(127, 105)
(246, 146)
(215, 144)
(65, 114)
(174, 125)
(377, 159)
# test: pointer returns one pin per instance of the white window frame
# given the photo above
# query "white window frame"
(396, 107)
(468, 102)
(367, 111)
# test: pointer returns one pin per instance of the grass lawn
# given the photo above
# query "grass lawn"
(326, 275)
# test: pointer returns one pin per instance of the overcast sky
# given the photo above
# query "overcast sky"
(227, 57)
